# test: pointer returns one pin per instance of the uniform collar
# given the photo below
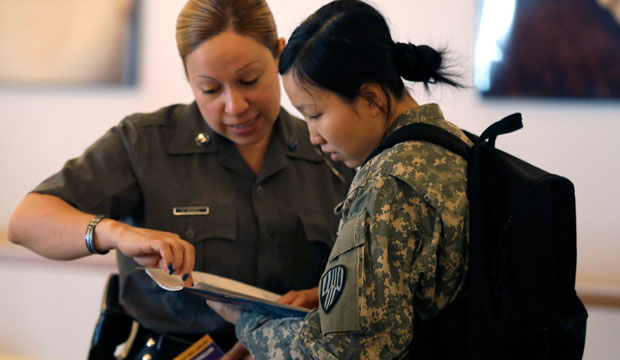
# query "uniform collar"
(288, 135)
(189, 124)
(289, 140)
(294, 138)
(428, 113)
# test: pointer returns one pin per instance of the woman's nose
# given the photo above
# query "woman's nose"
(236, 103)
(315, 137)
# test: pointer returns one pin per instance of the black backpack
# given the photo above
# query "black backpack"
(520, 300)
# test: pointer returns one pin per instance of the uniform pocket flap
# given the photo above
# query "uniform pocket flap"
(318, 230)
(349, 237)
(195, 223)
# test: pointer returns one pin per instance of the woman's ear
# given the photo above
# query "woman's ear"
(375, 96)
(281, 45)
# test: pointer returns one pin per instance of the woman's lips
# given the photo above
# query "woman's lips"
(245, 127)
(245, 124)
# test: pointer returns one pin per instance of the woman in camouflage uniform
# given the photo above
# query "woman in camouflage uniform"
(401, 251)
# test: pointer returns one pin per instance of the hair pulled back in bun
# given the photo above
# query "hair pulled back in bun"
(347, 43)
(415, 63)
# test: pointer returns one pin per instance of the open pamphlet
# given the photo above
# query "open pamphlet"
(228, 291)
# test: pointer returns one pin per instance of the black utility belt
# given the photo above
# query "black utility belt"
(144, 343)
(148, 344)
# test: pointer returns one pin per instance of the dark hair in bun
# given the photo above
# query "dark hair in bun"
(347, 43)
(421, 63)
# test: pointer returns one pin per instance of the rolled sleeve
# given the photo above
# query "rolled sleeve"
(101, 180)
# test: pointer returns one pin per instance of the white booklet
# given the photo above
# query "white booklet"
(229, 291)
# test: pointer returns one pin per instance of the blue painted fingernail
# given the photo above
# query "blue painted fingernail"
(185, 277)
(170, 269)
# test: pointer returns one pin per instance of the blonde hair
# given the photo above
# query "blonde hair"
(202, 19)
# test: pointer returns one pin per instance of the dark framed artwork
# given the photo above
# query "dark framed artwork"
(548, 48)
(68, 42)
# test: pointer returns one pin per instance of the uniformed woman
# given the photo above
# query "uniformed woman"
(401, 251)
(229, 184)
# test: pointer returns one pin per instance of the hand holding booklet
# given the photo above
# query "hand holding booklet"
(221, 289)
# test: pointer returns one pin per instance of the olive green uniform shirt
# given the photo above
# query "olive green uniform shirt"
(400, 256)
(274, 230)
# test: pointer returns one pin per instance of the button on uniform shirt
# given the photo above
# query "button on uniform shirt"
(169, 171)
(401, 255)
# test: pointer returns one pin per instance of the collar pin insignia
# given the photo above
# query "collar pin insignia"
(293, 144)
(202, 139)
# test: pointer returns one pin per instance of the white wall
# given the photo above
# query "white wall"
(43, 127)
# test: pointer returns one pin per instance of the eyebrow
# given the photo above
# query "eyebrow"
(303, 108)
(236, 72)
(247, 65)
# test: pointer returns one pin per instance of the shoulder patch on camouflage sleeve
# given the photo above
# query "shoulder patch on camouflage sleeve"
(332, 283)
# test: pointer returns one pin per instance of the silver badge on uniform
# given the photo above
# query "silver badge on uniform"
(332, 283)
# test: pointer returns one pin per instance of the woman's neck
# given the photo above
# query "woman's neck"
(254, 154)
(400, 107)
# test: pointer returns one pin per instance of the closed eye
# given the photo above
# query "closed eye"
(250, 82)
(210, 91)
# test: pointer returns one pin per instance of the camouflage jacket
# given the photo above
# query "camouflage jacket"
(400, 255)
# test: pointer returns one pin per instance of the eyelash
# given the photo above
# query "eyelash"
(314, 117)
(251, 82)
(244, 83)
(209, 91)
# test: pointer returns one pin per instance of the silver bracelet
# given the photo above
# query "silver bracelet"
(90, 234)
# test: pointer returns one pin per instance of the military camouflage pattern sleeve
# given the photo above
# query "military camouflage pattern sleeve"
(269, 338)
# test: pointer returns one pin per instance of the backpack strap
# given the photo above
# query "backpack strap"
(506, 125)
(444, 138)
(423, 132)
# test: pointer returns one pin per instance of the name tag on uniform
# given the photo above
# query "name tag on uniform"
(190, 210)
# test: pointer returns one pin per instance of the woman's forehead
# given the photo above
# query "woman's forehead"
(228, 51)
